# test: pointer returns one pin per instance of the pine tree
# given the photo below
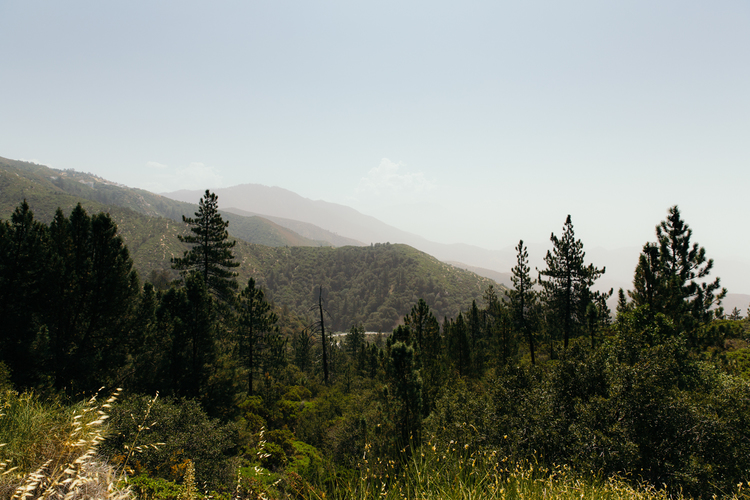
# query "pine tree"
(256, 321)
(355, 339)
(24, 294)
(406, 384)
(211, 252)
(647, 280)
(459, 344)
(671, 277)
(94, 287)
(423, 325)
(186, 318)
(567, 291)
(476, 334)
(523, 297)
(425, 329)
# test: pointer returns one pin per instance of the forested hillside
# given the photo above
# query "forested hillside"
(371, 286)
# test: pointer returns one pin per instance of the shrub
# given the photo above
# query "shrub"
(178, 431)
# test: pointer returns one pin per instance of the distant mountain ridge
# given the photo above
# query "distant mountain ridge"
(307, 230)
(276, 202)
(146, 236)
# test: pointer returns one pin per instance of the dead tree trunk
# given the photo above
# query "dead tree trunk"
(323, 335)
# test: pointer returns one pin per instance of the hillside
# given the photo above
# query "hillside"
(50, 188)
(374, 286)
(503, 278)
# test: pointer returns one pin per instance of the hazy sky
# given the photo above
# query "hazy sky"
(475, 122)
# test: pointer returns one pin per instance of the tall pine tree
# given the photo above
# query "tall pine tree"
(24, 295)
(523, 297)
(211, 252)
(567, 289)
(672, 276)
(256, 322)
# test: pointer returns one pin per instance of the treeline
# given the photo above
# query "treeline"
(657, 391)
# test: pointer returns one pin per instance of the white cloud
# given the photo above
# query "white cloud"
(163, 178)
(199, 176)
(388, 179)
(157, 165)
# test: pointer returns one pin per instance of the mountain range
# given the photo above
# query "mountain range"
(374, 285)
(289, 209)
(269, 216)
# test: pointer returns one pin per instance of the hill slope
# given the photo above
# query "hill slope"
(52, 188)
(374, 286)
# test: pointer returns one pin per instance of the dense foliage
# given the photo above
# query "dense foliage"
(659, 394)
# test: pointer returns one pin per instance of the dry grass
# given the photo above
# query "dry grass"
(67, 466)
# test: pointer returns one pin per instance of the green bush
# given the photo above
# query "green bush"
(154, 488)
(176, 431)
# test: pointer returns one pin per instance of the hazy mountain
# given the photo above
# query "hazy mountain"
(305, 229)
(497, 276)
(278, 217)
(276, 202)
(284, 207)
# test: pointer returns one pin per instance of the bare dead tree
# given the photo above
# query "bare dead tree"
(323, 335)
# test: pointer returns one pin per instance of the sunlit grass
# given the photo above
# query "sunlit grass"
(454, 471)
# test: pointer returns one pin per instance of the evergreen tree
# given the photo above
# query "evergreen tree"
(567, 291)
(355, 339)
(148, 357)
(420, 322)
(24, 295)
(647, 280)
(671, 277)
(302, 343)
(185, 316)
(425, 329)
(476, 333)
(95, 288)
(407, 389)
(211, 253)
(459, 344)
(256, 321)
(623, 305)
(523, 297)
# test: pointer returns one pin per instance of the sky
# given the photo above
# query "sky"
(479, 122)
